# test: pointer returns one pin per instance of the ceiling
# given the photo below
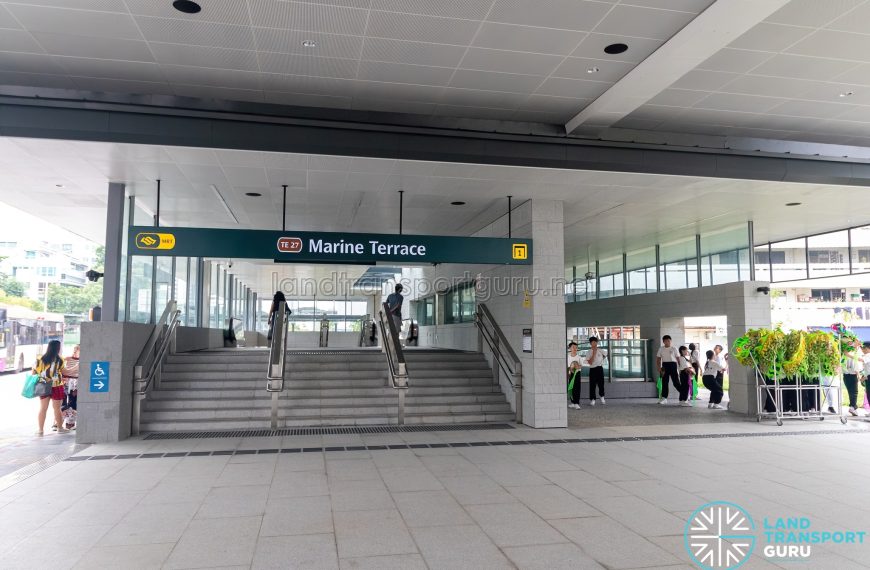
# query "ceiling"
(783, 79)
(522, 60)
(608, 211)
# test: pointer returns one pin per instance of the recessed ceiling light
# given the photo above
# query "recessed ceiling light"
(59, 185)
(187, 6)
(253, 194)
(592, 69)
(457, 203)
(614, 49)
(309, 43)
(793, 204)
(847, 94)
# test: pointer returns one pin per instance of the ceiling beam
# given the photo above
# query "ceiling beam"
(713, 29)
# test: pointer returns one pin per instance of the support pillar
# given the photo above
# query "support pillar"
(114, 252)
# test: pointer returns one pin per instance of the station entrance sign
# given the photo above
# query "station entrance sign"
(335, 247)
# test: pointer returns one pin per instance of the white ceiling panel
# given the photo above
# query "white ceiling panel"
(414, 27)
(18, 40)
(82, 46)
(213, 34)
(594, 69)
(592, 46)
(770, 37)
(83, 23)
(812, 13)
(527, 38)
(465, 9)
(415, 53)
(8, 21)
(490, 81)
(561, 87)
(643, 22)
(564, 14)
(511, 62)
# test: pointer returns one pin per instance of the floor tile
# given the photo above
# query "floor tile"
(302, 552)
(216, 542)
(613, 545)
(372, 533)
(240, 501)
(551, 556)
(151, 524)
(297, 515)
(360, 496)
(430, 508)
(134, 557)
(400, 479)
(237, 474)
(552, 502)
(458, 547)
(394, 562)
(476, 490)
(513, 524)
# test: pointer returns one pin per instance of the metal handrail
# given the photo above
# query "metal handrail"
(146, 372)
(277, 357)
(503, 353)
(397, 366)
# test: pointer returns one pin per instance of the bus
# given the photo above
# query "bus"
(24, 334)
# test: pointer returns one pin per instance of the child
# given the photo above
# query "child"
(71, 390)
(666, 362)
(686, 372)
(713, 380)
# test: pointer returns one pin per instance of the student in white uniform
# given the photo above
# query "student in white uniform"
(722, 362)
(686, 372)
(852, 367)
(695, 359)
(666, 362)
(575, 364)
(595, 358)
(712, 381)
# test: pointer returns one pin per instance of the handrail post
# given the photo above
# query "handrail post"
(502, 355)
(147, 371)
(396, 366)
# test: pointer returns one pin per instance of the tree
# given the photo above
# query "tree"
(100, 254)
(74, 300)
(11, 286)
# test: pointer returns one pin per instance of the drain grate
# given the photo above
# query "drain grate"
(326, 430)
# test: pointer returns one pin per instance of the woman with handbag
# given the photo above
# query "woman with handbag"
(49, 369)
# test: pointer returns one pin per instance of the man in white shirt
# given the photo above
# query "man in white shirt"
(852, 367)
(666, 361)
(596, 357)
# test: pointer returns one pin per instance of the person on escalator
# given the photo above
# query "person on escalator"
(276, 301)
(394, 307)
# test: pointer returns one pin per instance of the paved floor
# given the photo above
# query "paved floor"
(515, 498)
(18, 446)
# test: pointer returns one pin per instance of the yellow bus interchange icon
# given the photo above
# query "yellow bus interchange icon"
(520, 251)
(155, 241)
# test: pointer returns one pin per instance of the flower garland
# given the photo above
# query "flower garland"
(780, 355)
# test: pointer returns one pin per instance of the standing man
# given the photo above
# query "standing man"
(595, 359)
(394, 307)
(666, 362)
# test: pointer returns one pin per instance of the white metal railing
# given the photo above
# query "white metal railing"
(395, 357)
(277, 357)
(146, 372)
(503, 354)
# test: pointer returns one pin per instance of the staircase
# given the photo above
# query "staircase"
(225, 389)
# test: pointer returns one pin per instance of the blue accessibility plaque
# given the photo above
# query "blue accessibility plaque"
(99, 377)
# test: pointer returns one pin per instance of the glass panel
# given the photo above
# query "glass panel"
(193, 288)
(642, 281)
(743, 264)
(789, 260)
(725, 267)
(706, 271)
(828, 254)
(861, 250)
(674, 276)
(181, 286)
(762, 262)
(140, 289)
(733, 238)
(164, 284)
(468, 304)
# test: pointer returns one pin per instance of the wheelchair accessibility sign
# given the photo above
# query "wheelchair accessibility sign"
(99, 377)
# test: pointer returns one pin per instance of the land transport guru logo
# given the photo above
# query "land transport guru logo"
(719, 535)
(722, 535)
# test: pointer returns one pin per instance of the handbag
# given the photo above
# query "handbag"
(42, 388)
(29, 385)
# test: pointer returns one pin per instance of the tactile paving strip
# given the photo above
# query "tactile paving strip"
(455, 444)
(326, 430)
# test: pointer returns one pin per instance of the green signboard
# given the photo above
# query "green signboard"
(292, 246)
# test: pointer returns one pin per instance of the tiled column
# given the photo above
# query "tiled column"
(544, 370)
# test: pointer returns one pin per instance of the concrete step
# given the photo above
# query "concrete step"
(349, 400)
(200, 425)
(263, 413)
(296, 391)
